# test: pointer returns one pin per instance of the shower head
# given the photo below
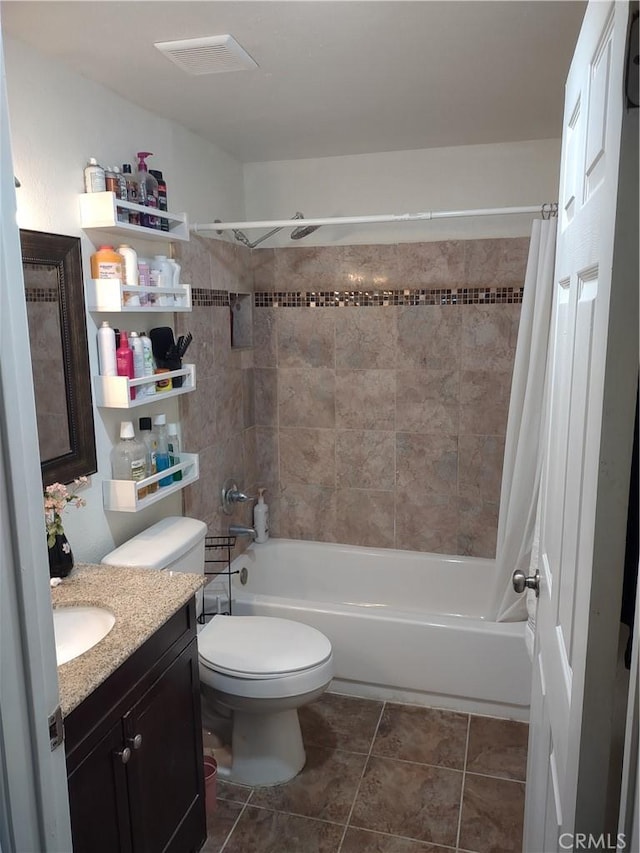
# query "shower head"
(303, 231)
(241, 237)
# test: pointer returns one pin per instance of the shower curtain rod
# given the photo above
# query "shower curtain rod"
(547, 209)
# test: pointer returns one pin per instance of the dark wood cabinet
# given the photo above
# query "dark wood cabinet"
(134, 751)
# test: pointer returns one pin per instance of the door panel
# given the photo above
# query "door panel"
(570, 626)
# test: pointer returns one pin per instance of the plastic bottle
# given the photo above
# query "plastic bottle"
(124, 361)
(162, 197)
(176, 299)
(138, 362)
(107, 350)
(121, 194)
(261, 518)
(174, 449)
(106, 263)
(94, 180)
(132, 193)
(162, 452)
(162, 276)
(147, 190)
(149, 438)
(128, 457)
(130, 274)
(149, 363)
(110, 180)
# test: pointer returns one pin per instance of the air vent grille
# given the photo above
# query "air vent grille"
(208, 55)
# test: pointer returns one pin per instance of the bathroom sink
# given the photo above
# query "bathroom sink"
(78, 629)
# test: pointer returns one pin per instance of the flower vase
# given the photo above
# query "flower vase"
(60, 557)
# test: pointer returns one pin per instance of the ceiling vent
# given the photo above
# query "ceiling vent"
(209, 55)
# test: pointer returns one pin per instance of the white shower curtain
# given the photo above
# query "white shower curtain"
(522, 455)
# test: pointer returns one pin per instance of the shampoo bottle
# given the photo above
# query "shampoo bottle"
(147, 190)
(261, 518)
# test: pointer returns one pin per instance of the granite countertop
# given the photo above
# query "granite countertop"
(141, 600)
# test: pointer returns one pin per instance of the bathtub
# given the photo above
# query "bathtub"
(404, 626)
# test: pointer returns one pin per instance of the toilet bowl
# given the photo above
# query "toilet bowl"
(261, 669)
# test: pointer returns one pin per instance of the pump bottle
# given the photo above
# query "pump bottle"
(261, 518)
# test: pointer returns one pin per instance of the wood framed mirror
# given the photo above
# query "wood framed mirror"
(54, 290)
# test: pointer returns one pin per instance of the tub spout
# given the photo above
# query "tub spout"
(241, 530)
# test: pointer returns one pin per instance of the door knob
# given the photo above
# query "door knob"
(522, 582)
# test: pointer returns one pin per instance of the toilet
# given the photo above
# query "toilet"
(261, 669)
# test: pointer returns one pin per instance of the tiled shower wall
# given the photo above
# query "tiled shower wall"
(217, 418)
(373, 402)
(381, 400)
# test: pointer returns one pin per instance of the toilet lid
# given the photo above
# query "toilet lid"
(260, 646)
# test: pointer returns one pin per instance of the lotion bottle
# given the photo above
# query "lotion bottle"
(261, 518)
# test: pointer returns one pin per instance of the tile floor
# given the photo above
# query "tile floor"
(384, 778)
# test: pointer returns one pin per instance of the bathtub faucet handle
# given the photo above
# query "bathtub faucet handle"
(232, 495)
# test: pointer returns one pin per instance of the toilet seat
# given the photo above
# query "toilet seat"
(261, 647)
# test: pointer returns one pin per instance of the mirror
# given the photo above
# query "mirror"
(52, 266)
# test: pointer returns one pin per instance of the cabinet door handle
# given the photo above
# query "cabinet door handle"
(125, 755)
(135, 741)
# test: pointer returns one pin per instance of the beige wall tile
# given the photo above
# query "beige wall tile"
(306, 337)
(438, 264)
(365, 517)
(484, 402)
(427, 522)
(429, 336)
(365, 459)
(307, 456)
(478, 528)
(498, 262)
(489, 336)
(307, 512)
(365, 399)
(428, 401)
(480, 466)
(365, 338)
(265, 382)
(426, 464)
(195, 261)
(265, 340)
(306, 397)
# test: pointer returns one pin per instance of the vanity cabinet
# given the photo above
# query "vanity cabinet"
(134, 751)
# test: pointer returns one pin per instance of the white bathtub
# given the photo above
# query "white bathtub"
(404, 626)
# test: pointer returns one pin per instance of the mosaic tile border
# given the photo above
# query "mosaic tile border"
(384, 298)
(41, 294)
(203, 298)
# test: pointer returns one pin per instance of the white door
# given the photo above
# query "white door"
(587, 456)
(34, 807)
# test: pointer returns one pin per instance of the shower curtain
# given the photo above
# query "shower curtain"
(522, 456)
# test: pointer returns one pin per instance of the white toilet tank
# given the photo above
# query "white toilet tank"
(173, 543)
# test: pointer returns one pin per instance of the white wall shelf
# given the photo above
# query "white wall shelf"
(124, 495)
(107, 295)
(100, 211)
(114, 392)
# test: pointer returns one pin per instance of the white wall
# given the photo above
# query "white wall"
(59, 119)
(466, 177)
